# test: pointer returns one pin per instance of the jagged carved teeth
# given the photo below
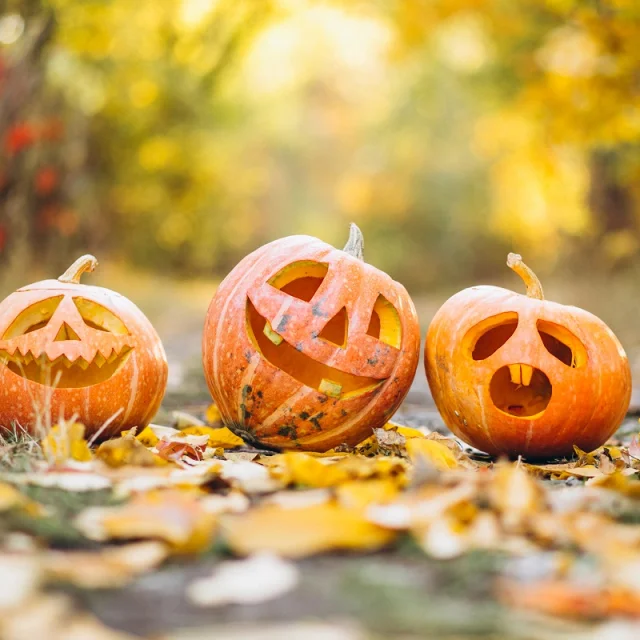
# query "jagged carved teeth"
(43, 360)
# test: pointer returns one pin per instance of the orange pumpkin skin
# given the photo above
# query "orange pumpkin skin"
(582, 401)
(299, 389)
(69, 349)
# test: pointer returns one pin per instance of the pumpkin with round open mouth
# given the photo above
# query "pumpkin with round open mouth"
(519, 375)
(69, 349)
(307, 346)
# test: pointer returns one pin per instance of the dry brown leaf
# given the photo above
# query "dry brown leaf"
(300, 532)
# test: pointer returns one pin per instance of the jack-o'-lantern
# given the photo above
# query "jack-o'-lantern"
(69, 349)
(519, 375)
(307, 346)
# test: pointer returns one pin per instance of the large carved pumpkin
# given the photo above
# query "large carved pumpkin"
(518, 375)
(306, 346)
(69, 349)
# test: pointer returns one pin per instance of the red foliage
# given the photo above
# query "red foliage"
(46, 180)
(18, 137)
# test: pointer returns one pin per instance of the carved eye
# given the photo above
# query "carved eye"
(98, 317)
(300, 279)
(385, 323)
(562, 344)
(491, 334)
(32, 318)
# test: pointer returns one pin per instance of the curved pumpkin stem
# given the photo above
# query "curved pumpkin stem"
(534, 288)
(73, 274)
(355, 243)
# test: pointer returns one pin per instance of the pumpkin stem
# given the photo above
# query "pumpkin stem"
(355, 243)
(534, 288)
(74, 272)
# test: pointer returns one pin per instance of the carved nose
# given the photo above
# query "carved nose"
(66, 333)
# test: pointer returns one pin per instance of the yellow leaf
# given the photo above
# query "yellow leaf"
(127, 450)
(212, 415)
(300, 532)
(515, 494)
(147, 437)
(302, 469)
(221, 437)
(357, 495)
(65, 441)
(433, 451)
(10, 497)
(407, 432)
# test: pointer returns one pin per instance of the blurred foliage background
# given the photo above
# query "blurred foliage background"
(177, 136)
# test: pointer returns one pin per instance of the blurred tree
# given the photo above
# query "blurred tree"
(559, 83)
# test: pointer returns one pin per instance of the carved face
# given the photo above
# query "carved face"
(312, 349)
(69, 349)
(305, 330)
(65, 341)
(516, 375)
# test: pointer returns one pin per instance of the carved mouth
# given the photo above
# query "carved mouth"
(63, 373)
(520, 390)
(279, 353)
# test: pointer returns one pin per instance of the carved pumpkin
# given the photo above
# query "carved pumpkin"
(306, 346)
(518, 375)
(71, 349)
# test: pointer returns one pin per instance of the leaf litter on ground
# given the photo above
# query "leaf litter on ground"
(187, 489)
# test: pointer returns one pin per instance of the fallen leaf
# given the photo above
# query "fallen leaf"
(127, 450)
(213, 416)
(300, 532)
(258, 578)
(169, 515)
(515, 495)
(65, 441)
(221, 437)
(432, 451)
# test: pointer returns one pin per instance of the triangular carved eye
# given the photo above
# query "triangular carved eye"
(300, 279)
(385, 323)
(98, 317)
(34, 317)
(337, 329)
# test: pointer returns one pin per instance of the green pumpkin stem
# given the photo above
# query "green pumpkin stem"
(534, 288)
(355, 243)
(73, 274)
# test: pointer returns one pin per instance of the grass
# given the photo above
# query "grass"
(19, 450)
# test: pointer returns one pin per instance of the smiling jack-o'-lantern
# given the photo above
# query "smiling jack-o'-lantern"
(306, 346)
(518, 375)
(69, 349)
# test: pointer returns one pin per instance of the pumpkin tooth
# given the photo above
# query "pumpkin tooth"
(527, 373)
(275, 337)
(330, 388)
(516, 374)
(112, 356)
(82, 363)
(99, 360)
